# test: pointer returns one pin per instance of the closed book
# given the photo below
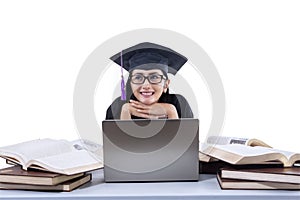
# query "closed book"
(226, 183)
(15, 174)
(214, 167)
(278, 174)
(63, 187)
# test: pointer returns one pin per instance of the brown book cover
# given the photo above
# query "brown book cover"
(214, 167)
(279, 174)
(15, 174)
(64, 187)
(226, 183)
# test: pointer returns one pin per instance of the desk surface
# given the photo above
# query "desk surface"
(206, 188)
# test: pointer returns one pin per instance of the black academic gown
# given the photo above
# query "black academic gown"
(182, 106)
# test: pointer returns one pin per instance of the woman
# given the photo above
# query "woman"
(147, 87)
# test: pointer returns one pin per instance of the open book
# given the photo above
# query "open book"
(241, 154)
(58, 156)
(226, 140)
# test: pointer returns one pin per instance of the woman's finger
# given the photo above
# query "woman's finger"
(140, 106)
(142, 115)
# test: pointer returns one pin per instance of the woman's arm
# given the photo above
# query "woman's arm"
(153, 111)
(125, 112)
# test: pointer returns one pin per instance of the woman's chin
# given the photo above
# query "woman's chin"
(147, 101)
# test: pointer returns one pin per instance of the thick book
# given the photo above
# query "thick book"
(214, 167)
(227, 140)
(272, 174)
(59, 156)
(16, 174)
(242, 154)
(63, 187)
(226, 183)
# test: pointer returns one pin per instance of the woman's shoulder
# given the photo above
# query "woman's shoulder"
(114, 110)
(117, 100)
(183, 108)
(176, 97)
(117, 103)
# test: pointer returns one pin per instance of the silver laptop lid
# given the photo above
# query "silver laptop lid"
(151, 150)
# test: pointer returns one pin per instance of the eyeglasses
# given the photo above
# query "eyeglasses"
(152, 78)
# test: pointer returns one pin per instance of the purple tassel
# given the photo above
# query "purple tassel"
(123, 92)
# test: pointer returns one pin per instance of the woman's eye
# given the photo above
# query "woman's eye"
(153, 77)
(137, 77)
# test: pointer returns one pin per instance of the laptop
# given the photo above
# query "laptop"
(151, 150)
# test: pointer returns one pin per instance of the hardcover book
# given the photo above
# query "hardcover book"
(214, 167)
(274, 174)
(16, 174)
(226, 183)
(64, 187)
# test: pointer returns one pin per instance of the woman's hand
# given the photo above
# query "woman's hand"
(126, 111)
(153, 111)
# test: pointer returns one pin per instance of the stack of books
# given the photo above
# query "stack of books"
(260, 178)
(47, 164)
(15, 178)
(241, 163)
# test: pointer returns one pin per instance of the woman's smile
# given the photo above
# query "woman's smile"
(146, 94)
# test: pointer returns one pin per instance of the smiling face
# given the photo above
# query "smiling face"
(146, 92)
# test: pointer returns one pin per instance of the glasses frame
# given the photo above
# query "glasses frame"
(147, 77)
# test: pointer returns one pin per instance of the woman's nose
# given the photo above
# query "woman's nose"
(146, 83)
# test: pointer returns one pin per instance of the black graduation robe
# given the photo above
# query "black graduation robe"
(182, 106)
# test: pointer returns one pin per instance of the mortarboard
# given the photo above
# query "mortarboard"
(148, 56)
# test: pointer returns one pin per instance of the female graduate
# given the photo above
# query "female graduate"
(147, 87)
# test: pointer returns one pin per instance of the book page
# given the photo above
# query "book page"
(224, 140)
(89, 146)
(292, 157)
(287, 154)
(71, 162)
(239, 149)
(241, 154)
(36, 149)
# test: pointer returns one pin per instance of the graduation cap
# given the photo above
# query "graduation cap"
(148, 56)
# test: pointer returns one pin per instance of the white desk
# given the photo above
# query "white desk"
(206, 188)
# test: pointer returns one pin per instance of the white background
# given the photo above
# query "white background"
(255, 46)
